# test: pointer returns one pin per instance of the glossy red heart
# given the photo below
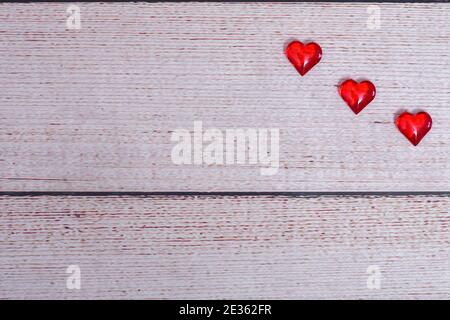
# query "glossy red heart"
(357, 95)
(414, 126)
(303, 56)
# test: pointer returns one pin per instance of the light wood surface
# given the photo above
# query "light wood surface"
(93, 109)
(213, 247)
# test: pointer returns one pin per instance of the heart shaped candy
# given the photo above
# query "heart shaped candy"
(414, 126)
(357, 95)
(303, 56)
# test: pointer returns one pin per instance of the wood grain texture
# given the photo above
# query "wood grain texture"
(93, 109)
(212, 247)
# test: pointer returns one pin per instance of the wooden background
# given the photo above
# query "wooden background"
(86, 117)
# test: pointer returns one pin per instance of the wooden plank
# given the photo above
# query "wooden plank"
(94, 109)
(225, 247)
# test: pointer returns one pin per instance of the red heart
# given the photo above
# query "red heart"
(414, 127)
(303, 56)
(357, 95)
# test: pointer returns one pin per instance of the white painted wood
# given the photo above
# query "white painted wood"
(93, 109)
(209, 247)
